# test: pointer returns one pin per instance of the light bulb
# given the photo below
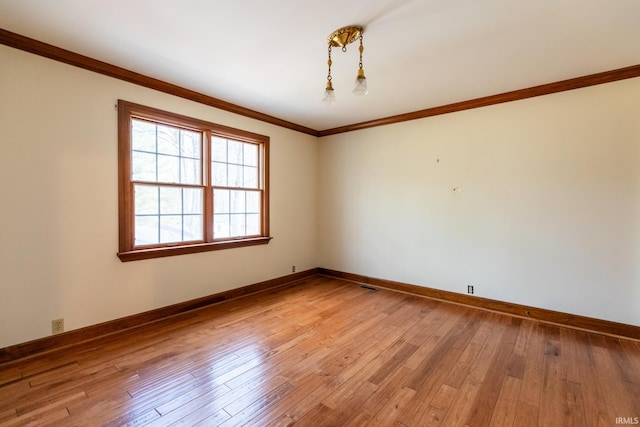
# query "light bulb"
(361, 84)
(329, 95)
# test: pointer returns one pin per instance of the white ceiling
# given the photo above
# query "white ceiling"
(270, 56)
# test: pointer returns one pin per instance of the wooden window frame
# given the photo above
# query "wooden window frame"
(127, 111)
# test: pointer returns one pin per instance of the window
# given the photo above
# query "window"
(186, 185)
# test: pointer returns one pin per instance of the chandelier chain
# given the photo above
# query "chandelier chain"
(361, 48)
(329, 62)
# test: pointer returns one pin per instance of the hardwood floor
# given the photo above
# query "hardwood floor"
(327, 352)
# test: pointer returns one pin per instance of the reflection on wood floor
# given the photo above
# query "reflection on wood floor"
(329, 352)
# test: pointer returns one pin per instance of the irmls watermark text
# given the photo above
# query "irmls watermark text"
(627, 420)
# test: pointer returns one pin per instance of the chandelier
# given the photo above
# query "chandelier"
(341, 38)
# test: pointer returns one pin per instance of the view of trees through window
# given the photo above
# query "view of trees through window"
(187, 185)
(236, 194)
(172, 210)
(166, 168)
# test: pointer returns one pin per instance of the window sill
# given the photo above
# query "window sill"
(140, 254)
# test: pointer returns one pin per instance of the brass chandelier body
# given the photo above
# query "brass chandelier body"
(344, 36)
(341, 38)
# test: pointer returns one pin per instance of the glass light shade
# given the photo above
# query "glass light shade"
(361, 86)
(329, 97)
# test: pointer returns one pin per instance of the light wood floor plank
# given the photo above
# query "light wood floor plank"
(328, 352)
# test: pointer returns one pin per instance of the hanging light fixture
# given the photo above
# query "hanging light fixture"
(341, 38)
(329, 95)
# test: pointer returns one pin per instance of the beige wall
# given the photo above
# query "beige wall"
(547, 213)
(59, 211)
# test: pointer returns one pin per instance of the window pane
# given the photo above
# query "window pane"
(237, 201)
(170, 228)
(168, 169)
(235, 176)
(190, 144)
(250, 154)
(146, 230)
(221, 201)
(176, 158)
(238, 225)
(143, 136)
(235, 152)
(253, 224)
(250, 177)
(218, 149)
(253, 202)
(173, 198)
(221, 226)
(168, 140)
(170, 200)
(190, 171)
(192, 200)
(193, 227)
(180, 216)
(146, 199)
(219, 173)
(143, 166)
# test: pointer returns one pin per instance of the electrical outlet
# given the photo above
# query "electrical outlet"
(57, 326)
(293, 268)
(470, 289)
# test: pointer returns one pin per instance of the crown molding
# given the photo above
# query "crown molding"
(545, 89)
(62, 55)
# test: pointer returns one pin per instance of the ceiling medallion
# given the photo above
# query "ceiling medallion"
(344, 36)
